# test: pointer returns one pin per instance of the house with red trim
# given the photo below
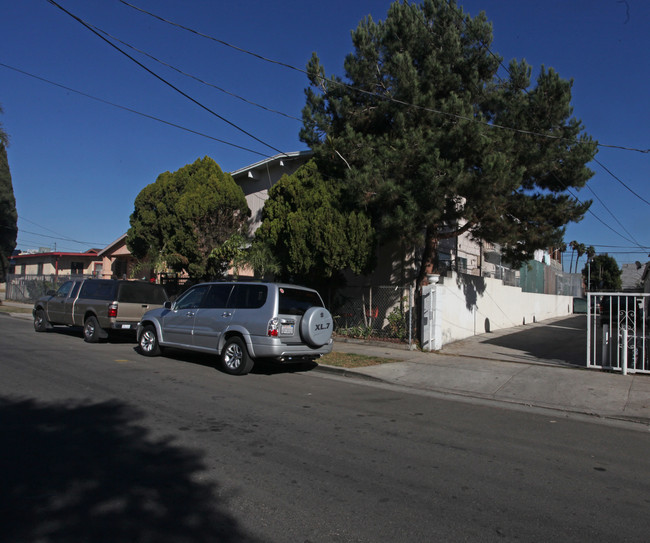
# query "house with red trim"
(55, 263)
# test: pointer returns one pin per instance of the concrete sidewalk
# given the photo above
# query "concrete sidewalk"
(539, 365)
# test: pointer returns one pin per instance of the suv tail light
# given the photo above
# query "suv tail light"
(112, 310)
(273, 327)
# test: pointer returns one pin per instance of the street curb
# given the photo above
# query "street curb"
(345, 372)
(352, 374)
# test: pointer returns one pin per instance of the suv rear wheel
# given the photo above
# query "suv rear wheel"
(235, 358)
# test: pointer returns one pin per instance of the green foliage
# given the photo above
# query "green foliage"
(397, 325)
(357, 332)
(413, 135)
(604, 275)
(231, 253)
(310, 236)
(182, 220)
(8, 213)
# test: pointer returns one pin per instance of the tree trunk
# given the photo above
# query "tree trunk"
(428, 256)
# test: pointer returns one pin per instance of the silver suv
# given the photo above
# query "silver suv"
(241, 322)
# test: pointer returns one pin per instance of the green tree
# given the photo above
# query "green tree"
(581, 249)
(311, 239)
(433, 144)
(8, 213)
(604, 275)
(182, 219)
(574, 245)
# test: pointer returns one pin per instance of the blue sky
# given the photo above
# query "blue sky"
(77, 164)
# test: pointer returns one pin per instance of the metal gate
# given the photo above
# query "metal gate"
(618, 331)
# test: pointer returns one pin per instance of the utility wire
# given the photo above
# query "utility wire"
(193, 100)
(621, 182)
(460, 117)
(61, 238)
(49, 230)
(499, 60)
(363, 91)
(614, 216)
(194, 77)
(131, 110)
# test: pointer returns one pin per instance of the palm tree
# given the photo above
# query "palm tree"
(580, 249)
(573, 244)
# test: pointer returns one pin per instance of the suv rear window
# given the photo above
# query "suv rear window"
(141, 293)
(295, 301)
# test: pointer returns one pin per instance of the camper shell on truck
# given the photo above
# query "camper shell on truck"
(99, 305)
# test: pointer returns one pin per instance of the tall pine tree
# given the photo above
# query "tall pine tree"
(432, 143)
(8, 213)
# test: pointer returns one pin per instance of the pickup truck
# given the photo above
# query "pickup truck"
(99, 305)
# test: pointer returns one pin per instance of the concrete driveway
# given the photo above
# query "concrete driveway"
(562, 340)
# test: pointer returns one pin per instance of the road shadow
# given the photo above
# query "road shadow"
(114, 336)
(562, 340)
(84, 472)
(261, 367)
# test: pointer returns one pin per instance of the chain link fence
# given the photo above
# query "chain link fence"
(374, 312)
(27, 288)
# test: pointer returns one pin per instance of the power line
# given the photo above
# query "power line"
(614, 217)
(224, 43)
(490, 125)
(196, 78)
(163, 80)
(130, 110)
(498, 59)
(647, 247)
(61, 238)
(621, 182)
(369, 93)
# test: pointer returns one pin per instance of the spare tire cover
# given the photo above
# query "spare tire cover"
(316, 326)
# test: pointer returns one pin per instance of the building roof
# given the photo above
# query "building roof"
(90, 253)
(248, 171)
(111, 246)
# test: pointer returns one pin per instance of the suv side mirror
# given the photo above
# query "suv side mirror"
(168, 305)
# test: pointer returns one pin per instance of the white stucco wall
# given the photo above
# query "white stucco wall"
(467, 306)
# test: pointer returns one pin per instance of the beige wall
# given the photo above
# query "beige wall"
(256, 180)
(47, 264)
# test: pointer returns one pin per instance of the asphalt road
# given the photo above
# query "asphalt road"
(102, 444)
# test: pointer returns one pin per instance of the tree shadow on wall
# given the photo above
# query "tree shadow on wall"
(86, 472)
(472, 287)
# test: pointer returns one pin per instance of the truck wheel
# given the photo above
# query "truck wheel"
(148, 343)
(235, 358)
(41, 324)
(92, 331)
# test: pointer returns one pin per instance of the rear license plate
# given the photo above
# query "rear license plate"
(127, 326)
(286, 329)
